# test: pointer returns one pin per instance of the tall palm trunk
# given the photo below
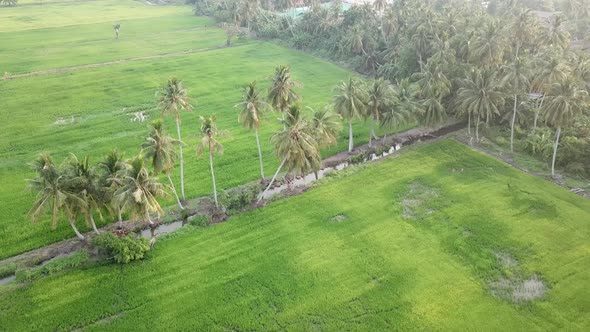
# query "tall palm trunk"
(91, 218)
(174, 191)
(212, 173)
(469, 123)
(273, 179)
(555, 145)
(78, 234)
(259, 156)
(181, 159)
(350, 139)
(371, 132)
(537, 111)
(477, 129)
(119, 214)
(512, 125)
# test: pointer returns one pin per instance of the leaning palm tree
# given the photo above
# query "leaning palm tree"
(297, 149)
(379, 93)
(517, 80)
(158, 149)
(113, 168)
(566, 102)
(139, 192)
(209, 141)
(480, 96)
(397, 114)
(281, 92)
(253, 107)
(52, 194)
(349, 102)
(173, 100)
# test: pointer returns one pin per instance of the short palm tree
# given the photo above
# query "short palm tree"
(173, 99)
(297, 149)
(139, 192)
(113, 168)
(52, 193)
(281, 92)
(480, 96)
(517, 81)
(209, 142)
(253, 107)
(566, 102)
(349, 102)
(158, 149)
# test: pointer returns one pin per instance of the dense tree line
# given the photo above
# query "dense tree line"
(496, 65)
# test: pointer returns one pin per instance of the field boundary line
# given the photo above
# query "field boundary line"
(61, 70)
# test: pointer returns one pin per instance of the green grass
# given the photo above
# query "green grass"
(100, 99)
(68, 13)
(292, 266)
(94, 43)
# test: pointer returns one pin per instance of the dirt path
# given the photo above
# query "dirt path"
(114, 62)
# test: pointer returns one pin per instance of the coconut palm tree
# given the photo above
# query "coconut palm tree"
(434, 86)
(378, 93)
(52, 193)
(349, 102)
(566, 102)
(139, 192)
(555, 36)
(253, 107)
(209, 142)
(158, 149)
(113, 168)
(550, 68)
(489, 45)
(297, 149)
(517, 81)
(481, 96)
(173, 99)
(325, 126)
(82, 180)
(281, 92)
(397, 113)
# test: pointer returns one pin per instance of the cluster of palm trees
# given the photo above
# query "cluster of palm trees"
(9, 3)
(77, 191)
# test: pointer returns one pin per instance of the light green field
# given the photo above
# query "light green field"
(387, 264)
(37, 112)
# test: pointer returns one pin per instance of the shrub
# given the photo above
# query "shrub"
(53, 266)
(200, 221)
(357, 158)
(8, 269)
(122, 249)
(236, 199)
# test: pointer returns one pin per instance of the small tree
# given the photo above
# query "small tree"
(231, 31)
(117, 28)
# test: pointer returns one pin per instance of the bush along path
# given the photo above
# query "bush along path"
(203, 212)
